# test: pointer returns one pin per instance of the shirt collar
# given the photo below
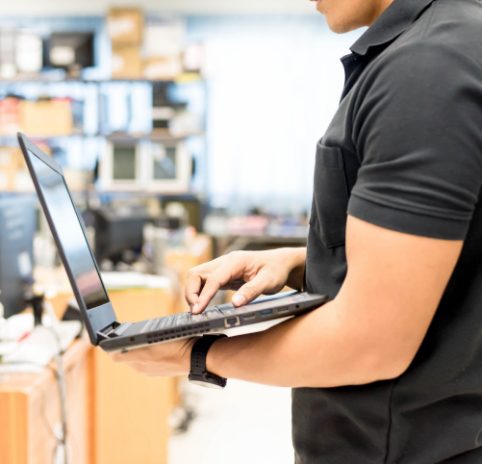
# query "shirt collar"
(392, 22)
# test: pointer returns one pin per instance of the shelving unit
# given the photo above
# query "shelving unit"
(96, 94)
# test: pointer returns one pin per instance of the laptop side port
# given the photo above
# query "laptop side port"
(231, 322)
(285, 309)
(248, 317)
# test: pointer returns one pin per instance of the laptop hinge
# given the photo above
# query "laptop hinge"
(109, 331)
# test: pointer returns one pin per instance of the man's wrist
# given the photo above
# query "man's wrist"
(213, 358)
(295, 277)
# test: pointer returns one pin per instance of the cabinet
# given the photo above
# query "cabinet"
(130, 411)
(30, 411)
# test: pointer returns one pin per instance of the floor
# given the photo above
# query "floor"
(244, 423)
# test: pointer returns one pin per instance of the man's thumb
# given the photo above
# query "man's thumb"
(248, 292)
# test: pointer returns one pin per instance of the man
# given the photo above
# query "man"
(390, 370)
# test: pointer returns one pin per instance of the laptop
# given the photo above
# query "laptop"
(93, 300)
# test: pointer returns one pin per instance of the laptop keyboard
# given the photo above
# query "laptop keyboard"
(182, 319)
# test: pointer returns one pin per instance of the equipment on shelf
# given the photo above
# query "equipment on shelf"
(169, 167)
(28, 53)
(119, 233)
(20, 53)
(145, 165)
(71, 51)
(121, 165)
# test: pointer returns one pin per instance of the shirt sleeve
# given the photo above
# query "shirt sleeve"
(418, 131)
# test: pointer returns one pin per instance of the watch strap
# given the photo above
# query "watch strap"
(199, 373)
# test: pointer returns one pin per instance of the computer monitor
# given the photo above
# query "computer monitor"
(119, 233)
(70, 50)
(121, 166)
(169, 167)
(17, 229)
(145, 165)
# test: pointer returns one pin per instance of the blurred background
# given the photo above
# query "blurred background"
(186, 129)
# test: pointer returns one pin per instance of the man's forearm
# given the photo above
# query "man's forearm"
(314, 350)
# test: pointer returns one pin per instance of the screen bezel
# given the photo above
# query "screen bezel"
(98, 318)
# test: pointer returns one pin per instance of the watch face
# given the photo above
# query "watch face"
(202, 383)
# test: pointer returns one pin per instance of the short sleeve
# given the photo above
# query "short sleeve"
(417, 127)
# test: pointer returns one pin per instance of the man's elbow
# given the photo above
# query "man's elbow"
(389, 364)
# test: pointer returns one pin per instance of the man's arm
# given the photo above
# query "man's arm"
(371, 331)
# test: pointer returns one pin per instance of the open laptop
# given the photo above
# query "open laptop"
(92, 298)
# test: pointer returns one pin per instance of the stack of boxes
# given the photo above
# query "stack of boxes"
(163, 49)
(151, 49)
(126, 27)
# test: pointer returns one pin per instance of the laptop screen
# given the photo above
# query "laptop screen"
(70, 233)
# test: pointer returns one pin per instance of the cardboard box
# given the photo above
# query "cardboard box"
(163, 67)
(126, 63)
(9, 116)
(48, 118)
(125, 26)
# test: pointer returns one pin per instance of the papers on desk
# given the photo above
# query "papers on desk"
(127, 280)
(39, 347)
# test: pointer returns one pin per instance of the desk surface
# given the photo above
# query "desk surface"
(26, 382)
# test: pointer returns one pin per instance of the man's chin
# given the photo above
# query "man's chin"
(341, 27)
(338, 28)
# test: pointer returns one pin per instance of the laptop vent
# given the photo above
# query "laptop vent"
(175, 333)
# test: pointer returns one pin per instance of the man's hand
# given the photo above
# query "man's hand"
(163, 359)
(251, 273)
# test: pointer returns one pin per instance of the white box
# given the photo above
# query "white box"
(164, 38)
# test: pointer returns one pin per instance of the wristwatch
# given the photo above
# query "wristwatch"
(199, 374)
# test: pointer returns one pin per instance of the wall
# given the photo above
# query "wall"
(88, 7)
(274, 84)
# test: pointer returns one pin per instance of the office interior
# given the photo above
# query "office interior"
(186, 129)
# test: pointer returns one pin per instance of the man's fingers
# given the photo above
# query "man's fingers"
(207, 293)
(193, 288)
(195, 280)
(217, 280)
(205, 280)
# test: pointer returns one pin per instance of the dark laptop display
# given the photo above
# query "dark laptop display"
(73, 240)
(93, 300)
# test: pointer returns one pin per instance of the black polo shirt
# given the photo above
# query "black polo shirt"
(404, 151)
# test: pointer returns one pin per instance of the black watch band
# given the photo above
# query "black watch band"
(199, 373)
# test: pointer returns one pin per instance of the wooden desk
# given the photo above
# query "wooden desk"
(29, 411)
(132, 410)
